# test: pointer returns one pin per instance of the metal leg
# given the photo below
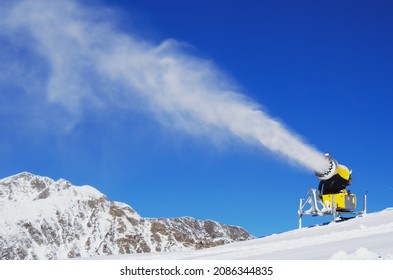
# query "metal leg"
(300, 221)
(334, 208)
(365, 204)
(300, 213)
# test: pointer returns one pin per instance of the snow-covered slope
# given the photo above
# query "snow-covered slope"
(368, 237)
(46, 219)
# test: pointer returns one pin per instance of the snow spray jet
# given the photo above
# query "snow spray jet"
(91, 62)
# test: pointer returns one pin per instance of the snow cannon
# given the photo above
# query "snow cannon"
(332, 197)
(331, 169)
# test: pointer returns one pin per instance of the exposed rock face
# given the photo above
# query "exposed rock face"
(46, 219)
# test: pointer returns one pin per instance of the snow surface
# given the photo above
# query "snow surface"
(367, 238)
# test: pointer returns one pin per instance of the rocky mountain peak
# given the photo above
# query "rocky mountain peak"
(47, 219)
(26, 186)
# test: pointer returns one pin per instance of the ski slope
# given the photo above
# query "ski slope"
(369, 237)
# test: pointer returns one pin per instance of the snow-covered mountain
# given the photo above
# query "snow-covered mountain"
(46, 219)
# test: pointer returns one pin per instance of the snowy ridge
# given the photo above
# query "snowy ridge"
(46, 219)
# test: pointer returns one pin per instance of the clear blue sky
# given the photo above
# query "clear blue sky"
(323, 68)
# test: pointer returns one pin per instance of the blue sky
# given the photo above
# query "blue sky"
(321, 68)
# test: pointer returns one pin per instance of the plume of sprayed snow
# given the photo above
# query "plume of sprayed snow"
(91, 62)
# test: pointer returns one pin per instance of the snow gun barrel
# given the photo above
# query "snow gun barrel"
(330, 171)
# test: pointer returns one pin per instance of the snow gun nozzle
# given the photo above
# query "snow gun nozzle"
(331, 170)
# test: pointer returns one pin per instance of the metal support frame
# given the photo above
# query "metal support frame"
(317, 208)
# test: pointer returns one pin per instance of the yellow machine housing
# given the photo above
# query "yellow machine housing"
(343, 171)
(343, 200)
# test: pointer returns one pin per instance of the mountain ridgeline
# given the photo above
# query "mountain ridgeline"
(46, 219)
